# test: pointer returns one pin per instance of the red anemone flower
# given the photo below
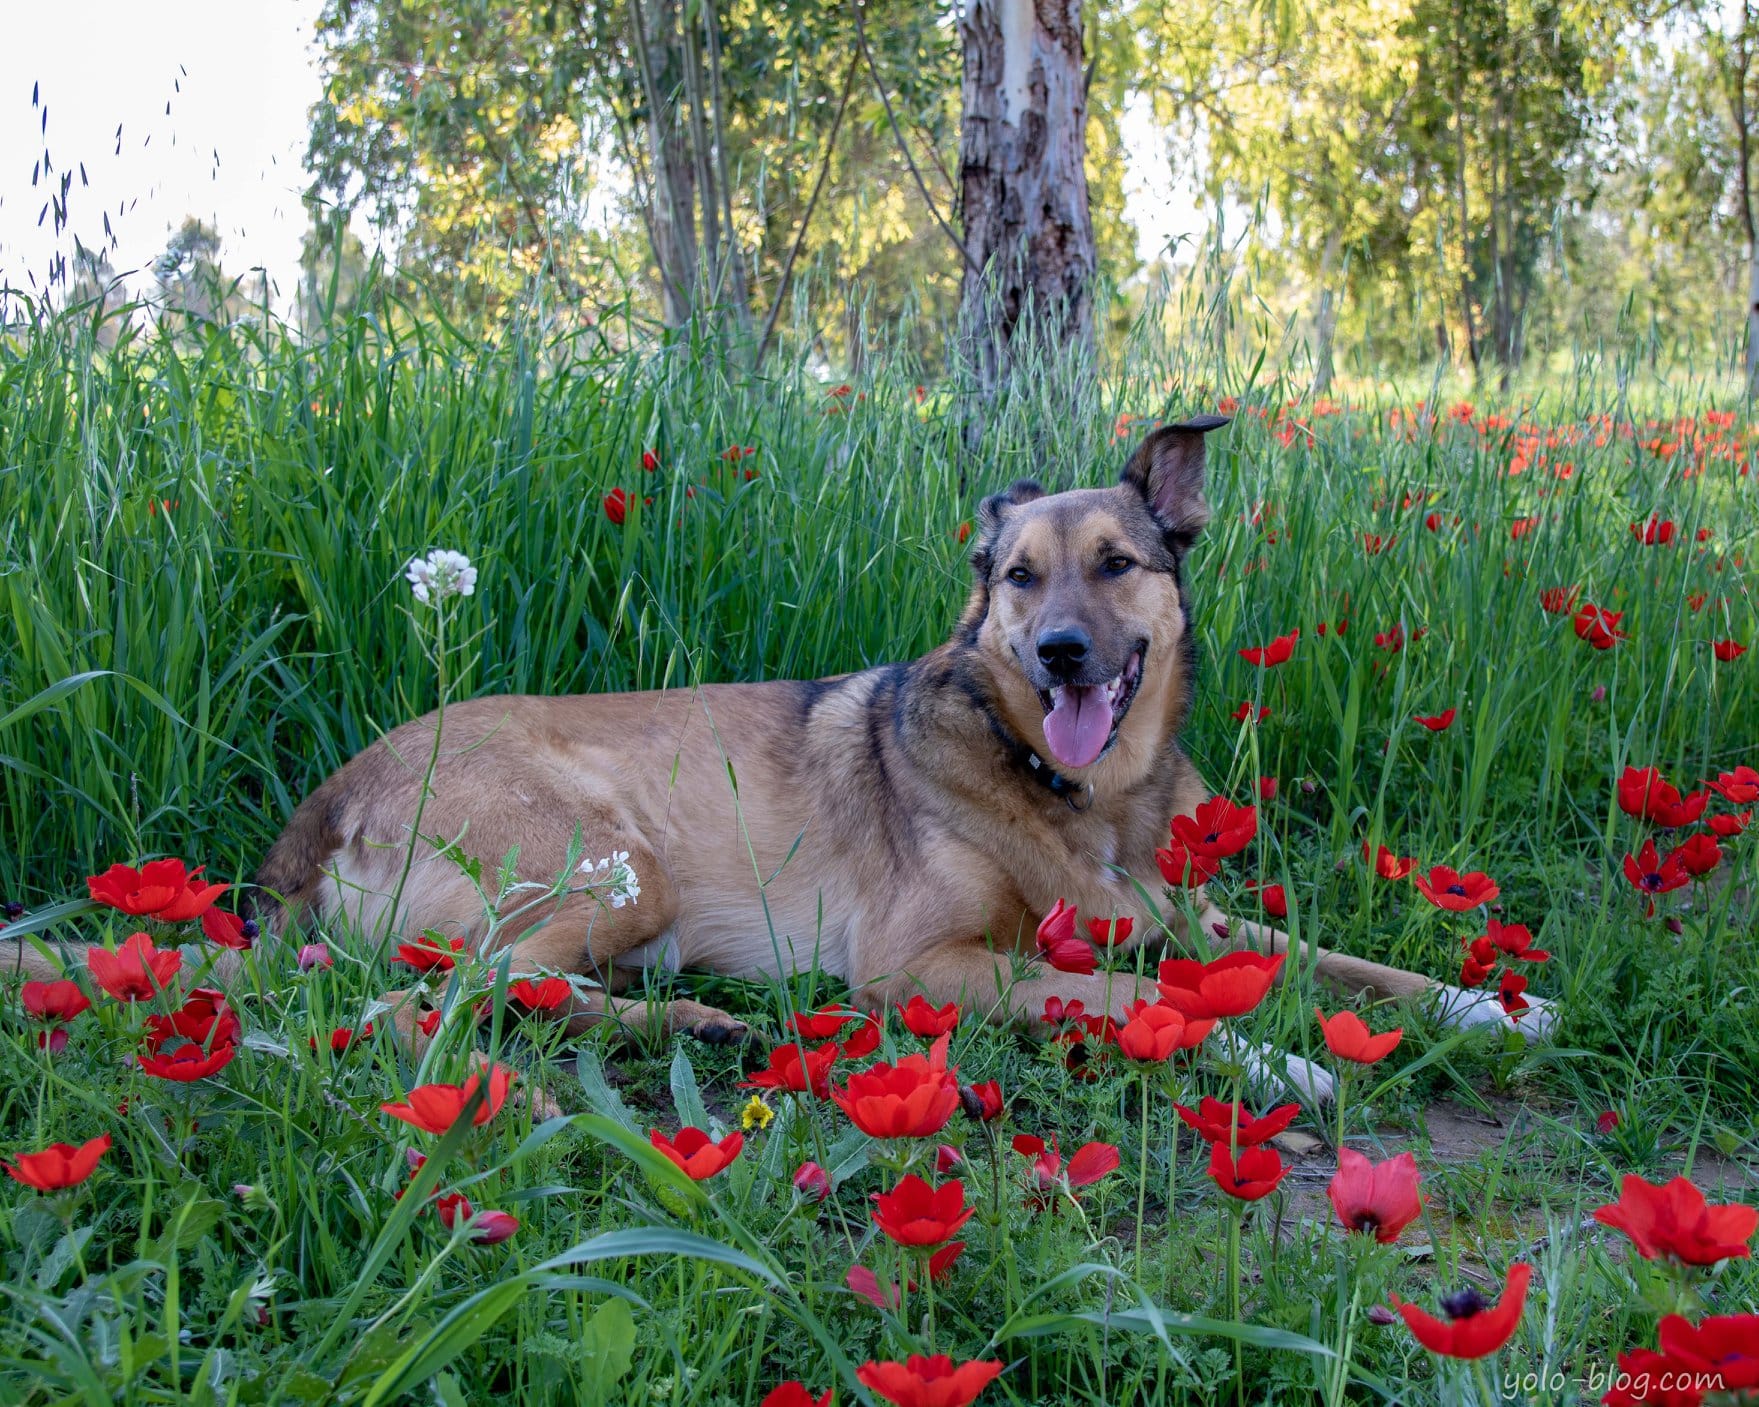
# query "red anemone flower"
(1508, 993)
(1675, 1222)
(1721, 1346)
(163, 889)
(794, 1393)
(1273, 897)
(1378, 1198)
(915, 1214)
(1740, 786)
(1347, 1037)
(1472, 1328)
(1436, 722)
(1232, 985)
(1698, 854)
(226, 930)
(1181, 867)
(204, 1018)
(435, 1108)
(698, 1155)
(1599, 627)
(822, 1025)
(1388, 865)
(540, 994)
(59, 1166)
(864, 1042)
(983, 1102)
(617, 506)
(1277, 652)
(1217, 829)
(134, 972)
(912, 1099)
(53, 1001)
(1728, 651)
(1647, 871)
(810, 1180)
(1728, 827)
(429, 953)
(1255, 1173)
(1153, 1032)
(1058, 943)
(187, 1062)
(1245, 713)
(1110, 933)
(1215, 1122)
(921, 1019)
(928, 1382)
(1089, 1163)
(1558, 600)
(1514, 941)
(1657, 532)
(1456, 892)
(797, 1070)
(1480, 959)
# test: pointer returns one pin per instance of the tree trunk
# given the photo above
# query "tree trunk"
(1325, 321)
(1023, 183)
(672, 227)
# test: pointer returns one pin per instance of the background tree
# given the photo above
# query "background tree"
(1028, 233)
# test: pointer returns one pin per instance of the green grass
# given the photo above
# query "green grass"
(174, 679)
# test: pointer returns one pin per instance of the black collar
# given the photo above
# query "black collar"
(1077, 796)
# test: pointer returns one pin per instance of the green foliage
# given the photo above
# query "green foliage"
(203, 538)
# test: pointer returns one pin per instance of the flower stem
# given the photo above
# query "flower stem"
(1142, 1179)
(1234, 1303)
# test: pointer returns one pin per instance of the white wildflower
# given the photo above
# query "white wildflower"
(440, 574)
(615, 876)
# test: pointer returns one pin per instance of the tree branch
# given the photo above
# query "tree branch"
(904, 147)
(769, 323)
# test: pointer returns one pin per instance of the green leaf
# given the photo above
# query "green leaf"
(590, 1071)
(608, 1341)
(686, 1096)
(461, 1328)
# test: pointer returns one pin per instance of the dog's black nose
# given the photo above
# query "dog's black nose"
(1063, 651)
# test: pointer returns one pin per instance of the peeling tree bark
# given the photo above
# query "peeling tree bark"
(1023, 183)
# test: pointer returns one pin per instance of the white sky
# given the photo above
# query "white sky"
(238, 76)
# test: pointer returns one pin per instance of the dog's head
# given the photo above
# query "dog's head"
(1078, 608)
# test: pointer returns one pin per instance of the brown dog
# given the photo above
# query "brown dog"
(903, 828)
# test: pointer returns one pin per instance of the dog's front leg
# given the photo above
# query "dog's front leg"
(1353, 976)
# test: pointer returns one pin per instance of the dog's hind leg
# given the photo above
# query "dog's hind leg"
(584, 935)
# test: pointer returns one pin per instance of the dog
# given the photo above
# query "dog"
(902, 828)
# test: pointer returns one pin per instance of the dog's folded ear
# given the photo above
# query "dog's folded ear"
(1167, 470)
(991, 513)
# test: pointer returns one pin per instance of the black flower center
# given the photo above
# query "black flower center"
(1459, 889)
(1463, 1304)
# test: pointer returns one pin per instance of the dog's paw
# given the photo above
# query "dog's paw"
(1276, 1072)
(1467, 1011)
(720, 1029)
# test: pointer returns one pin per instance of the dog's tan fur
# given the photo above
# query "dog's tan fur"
(885, 827)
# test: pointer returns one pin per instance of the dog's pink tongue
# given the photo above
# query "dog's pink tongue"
(1077, 728)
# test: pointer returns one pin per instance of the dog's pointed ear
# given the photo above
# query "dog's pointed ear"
(1167, 470)
(992, 513)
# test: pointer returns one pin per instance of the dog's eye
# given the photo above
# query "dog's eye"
(1117, 566)
(1020, 576)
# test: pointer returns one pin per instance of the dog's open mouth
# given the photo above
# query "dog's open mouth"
(1081, 720)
